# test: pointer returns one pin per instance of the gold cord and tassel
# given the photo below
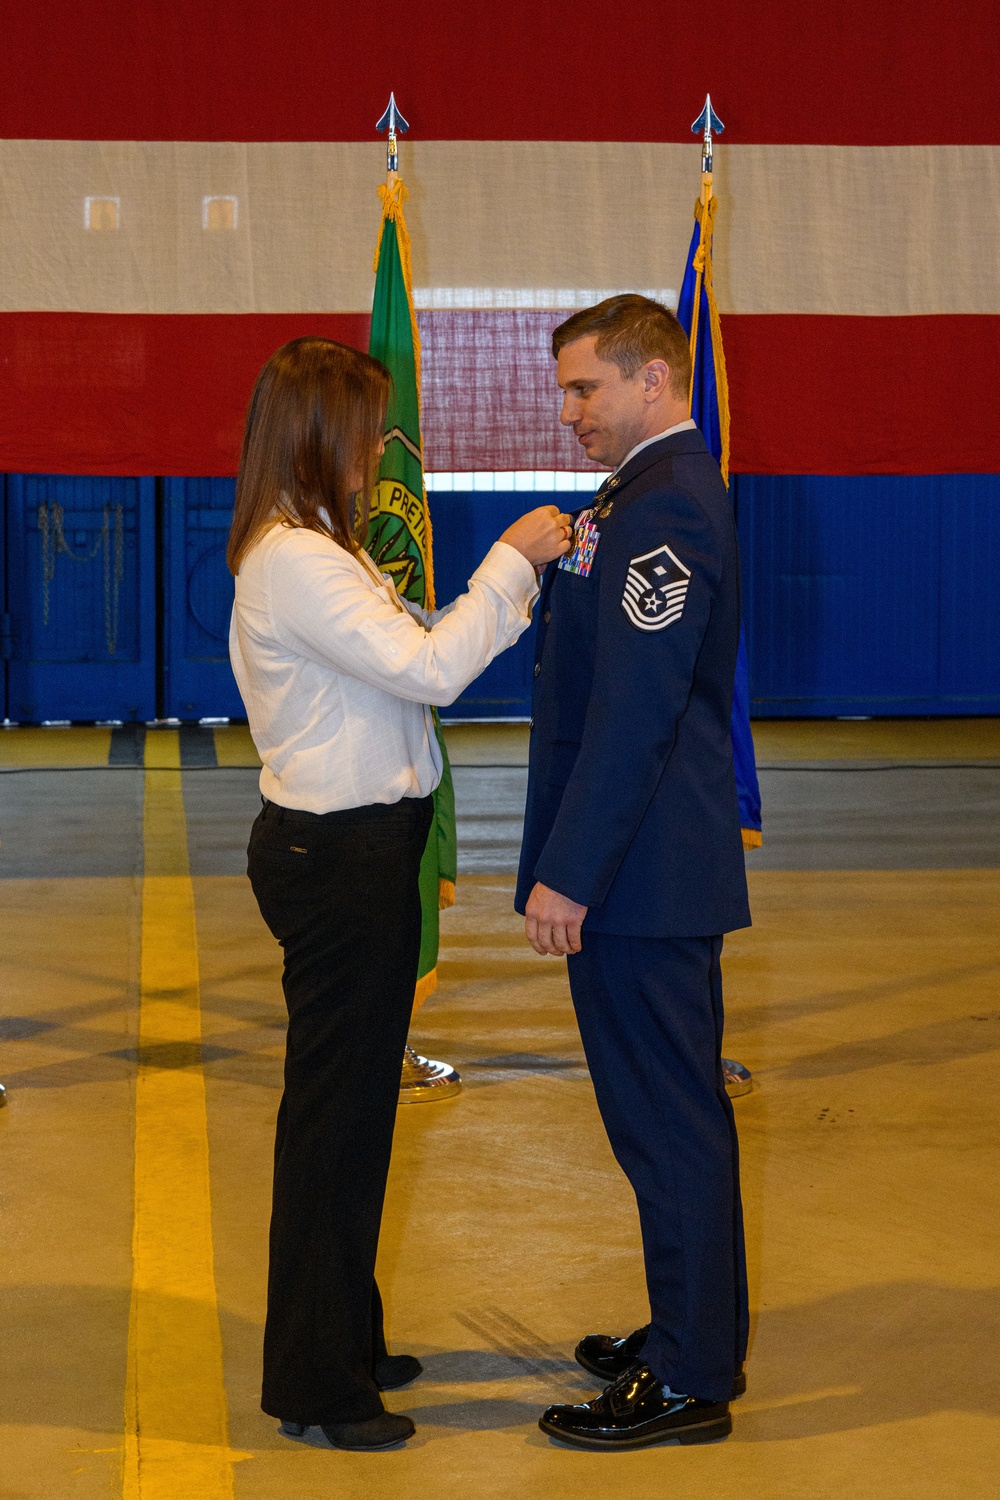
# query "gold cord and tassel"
(704, 212)
(393, 193)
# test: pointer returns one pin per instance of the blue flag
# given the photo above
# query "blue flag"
(699, 315)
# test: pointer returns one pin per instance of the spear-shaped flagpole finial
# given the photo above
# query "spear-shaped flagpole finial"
(707, 122)
(392, 121)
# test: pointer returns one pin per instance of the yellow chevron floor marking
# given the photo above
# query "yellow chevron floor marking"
(234, 747)
(56, 745)
(877, 739)
(176, 1439)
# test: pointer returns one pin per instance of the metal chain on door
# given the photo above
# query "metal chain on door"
(50, 524)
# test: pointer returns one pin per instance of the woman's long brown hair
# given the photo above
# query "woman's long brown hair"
(314, 423)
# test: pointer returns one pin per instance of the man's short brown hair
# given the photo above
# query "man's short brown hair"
(630, 331)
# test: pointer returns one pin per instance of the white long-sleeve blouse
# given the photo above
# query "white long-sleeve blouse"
(336, 672)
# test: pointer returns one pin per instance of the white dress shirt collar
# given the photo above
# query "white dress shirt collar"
(685, 426)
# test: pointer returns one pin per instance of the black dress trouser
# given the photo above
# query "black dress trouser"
(340, 893)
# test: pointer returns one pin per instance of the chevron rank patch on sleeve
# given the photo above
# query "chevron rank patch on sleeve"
(655, 589)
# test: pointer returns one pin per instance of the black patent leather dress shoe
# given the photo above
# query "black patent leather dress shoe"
(385, 1431)
(634, 1412)
(603, 1355)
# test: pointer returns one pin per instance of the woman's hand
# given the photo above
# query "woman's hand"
(541, 535)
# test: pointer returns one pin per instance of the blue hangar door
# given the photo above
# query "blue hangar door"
(198, 681)
(466, 524)
(81, 597)
(872, 595)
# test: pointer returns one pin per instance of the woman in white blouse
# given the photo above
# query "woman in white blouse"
(336, 673)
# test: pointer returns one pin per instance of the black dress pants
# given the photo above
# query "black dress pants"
(650, 1015)
(340, 893)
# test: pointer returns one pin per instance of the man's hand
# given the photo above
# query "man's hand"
(552, 922)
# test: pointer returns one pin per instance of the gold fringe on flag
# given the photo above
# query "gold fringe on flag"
(426, 985)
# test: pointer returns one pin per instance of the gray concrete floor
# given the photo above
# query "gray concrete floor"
(845, 816)
(837, 816)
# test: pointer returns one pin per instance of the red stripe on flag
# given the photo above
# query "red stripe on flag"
(114, 393)
(96, 393)
(905, 72)
(833, 395)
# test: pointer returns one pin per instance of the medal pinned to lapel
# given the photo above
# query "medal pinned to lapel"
(655, 589)
(585, 539)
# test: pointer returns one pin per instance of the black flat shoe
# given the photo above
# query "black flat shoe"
(386, 1431)
(390, 1373)
(395, 1370)
(603, 1355)
(635, 1413)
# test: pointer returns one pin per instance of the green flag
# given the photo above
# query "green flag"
(400, 535)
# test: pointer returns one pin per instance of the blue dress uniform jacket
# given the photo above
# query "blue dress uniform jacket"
(632, 808)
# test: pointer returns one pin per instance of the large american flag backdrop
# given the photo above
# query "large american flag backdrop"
(185, 186)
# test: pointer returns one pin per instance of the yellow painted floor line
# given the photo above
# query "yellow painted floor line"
(176, 1438)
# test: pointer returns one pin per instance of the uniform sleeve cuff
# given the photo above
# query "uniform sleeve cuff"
(567, 884)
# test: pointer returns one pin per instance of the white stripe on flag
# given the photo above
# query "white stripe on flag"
(223, 227)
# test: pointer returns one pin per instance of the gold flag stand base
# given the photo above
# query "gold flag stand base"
(425, 1081)
(739, 1080)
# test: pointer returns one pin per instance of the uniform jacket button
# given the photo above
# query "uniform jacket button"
(547, 616)
(538, 667)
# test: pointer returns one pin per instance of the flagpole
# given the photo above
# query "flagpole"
(738, 1078)
(423, 1080)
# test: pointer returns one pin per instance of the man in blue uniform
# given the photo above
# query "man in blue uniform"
(632, 860)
